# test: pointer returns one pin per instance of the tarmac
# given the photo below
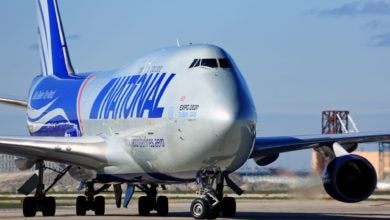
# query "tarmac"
(246, 209)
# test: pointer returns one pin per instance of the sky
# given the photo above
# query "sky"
(299, 57)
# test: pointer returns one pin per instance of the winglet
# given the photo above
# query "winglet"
(54, 51)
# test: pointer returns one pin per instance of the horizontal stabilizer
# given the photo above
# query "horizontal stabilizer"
(13, 102)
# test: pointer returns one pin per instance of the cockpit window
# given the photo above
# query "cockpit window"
(212, 63)
(195, 63)
(224, 63)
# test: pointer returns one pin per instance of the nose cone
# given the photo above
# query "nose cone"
(232, 121)
(223, 132)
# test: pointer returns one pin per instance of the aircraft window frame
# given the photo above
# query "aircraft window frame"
(209, 62)
(195, 63)
(225, 63)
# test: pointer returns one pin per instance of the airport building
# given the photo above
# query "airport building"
(7, 164)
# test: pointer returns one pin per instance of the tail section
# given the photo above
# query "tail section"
(55, 59)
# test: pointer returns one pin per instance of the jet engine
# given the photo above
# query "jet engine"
(349, 178)
(350, 147)
(23, 163)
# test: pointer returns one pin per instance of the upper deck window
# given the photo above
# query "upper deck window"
(212, 63)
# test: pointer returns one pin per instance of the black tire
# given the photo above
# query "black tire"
(200, 208)
(81, 205)
(49, 206)
(228, 207)
(29, 206)
(162, 206)
(99, 205)
(213, 212)
(144, 206)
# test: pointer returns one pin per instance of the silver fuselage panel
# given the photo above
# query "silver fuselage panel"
(165, 121)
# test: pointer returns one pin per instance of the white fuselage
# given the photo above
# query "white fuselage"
(165, 119)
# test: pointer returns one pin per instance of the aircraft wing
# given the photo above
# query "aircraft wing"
(13, 102)
(274, 145)
(88, 152)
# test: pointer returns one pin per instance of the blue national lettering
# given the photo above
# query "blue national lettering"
(131, 96)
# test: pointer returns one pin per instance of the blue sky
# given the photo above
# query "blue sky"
(299, 57)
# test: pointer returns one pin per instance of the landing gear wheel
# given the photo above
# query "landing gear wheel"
(49, 206)
(228, 207)
(162, 206)
(199, 208)
(144, 206)
(99, 205)
(213, 212)
(29, 207)
(81, 205)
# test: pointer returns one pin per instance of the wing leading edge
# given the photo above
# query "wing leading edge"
(88, 152)
(280, 144)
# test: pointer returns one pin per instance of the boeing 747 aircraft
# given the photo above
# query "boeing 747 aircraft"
(175, 115)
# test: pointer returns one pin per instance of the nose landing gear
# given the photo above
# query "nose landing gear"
(211, 202)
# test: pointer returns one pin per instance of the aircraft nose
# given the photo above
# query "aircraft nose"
(233, 103)
(234, 122)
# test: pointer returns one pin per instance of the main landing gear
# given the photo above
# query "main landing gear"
(151, 202)
(212, 202)
(90, 201)
(40, 202)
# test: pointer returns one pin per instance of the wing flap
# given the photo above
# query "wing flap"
(273, 145)
(88, 152)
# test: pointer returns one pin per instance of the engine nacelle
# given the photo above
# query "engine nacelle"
(349, 178)
(82, 174)
(350, 147)
(266, 159)
(23, 163)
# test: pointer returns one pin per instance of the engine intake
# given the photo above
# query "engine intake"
(350, 178)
